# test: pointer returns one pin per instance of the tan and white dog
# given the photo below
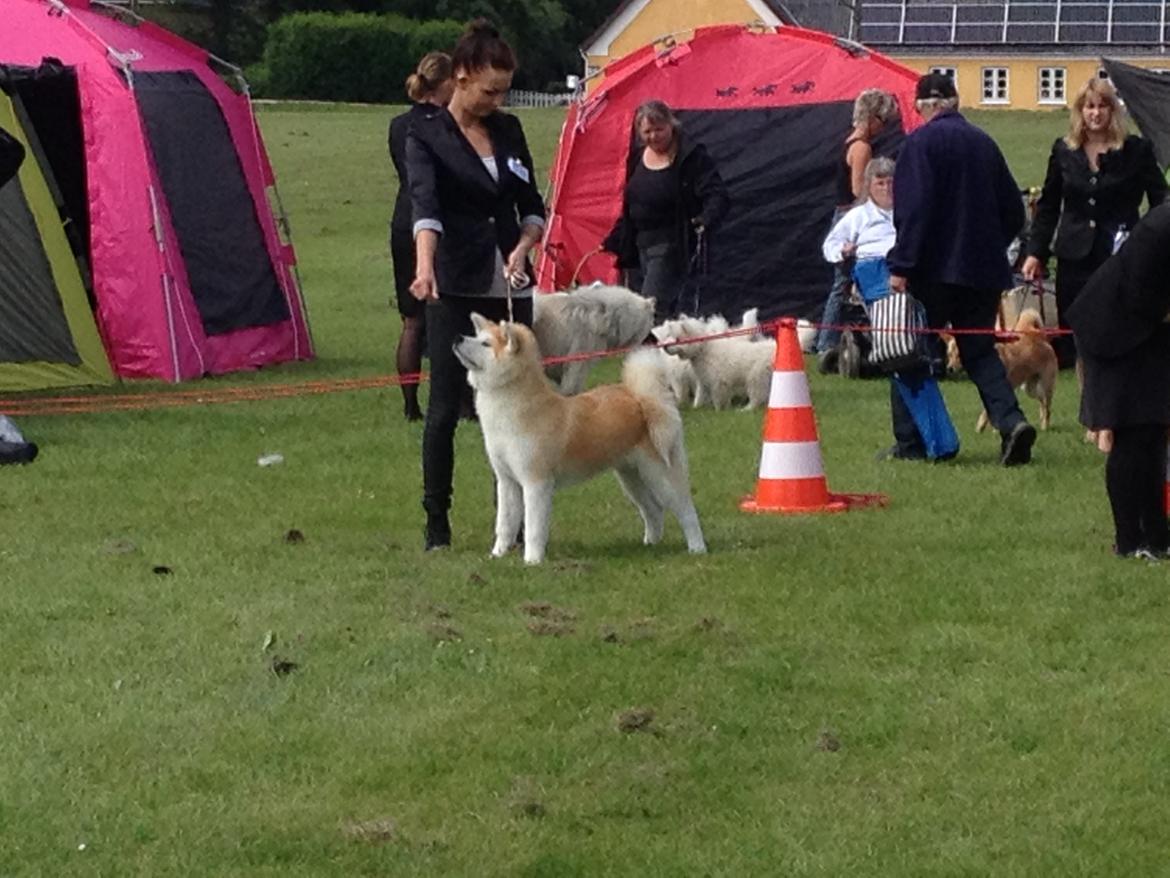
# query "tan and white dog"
(538, 440)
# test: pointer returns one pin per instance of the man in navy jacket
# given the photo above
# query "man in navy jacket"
(956, 210)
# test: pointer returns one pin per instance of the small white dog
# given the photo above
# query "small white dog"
(726, 368)
(594, 318)
(684, 381)
(538, 440)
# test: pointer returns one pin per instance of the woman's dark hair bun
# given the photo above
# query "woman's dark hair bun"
(482, 27)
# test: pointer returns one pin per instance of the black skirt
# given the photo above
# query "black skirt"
(1129, 391)
(402, 255)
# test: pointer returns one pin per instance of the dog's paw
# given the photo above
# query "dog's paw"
(700, 549)
(497, 552)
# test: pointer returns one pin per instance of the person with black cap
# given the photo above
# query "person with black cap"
(956, 210)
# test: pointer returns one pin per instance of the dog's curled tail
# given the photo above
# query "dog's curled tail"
(645, 375)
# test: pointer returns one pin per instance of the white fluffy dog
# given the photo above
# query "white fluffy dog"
(538, 440)
(726, 368)
(594, 318)
(684, 381)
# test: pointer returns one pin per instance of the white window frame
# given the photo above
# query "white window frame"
(1057, 86)
(952, 72)
(997, 75)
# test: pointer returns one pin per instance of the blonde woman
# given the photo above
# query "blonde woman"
(872, 111)
(1097, 177)
(429, 89)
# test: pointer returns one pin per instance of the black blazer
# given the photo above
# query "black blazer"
(1085, 209)
(396, 140)
(11, 155)
(702, 197)
(450, 185)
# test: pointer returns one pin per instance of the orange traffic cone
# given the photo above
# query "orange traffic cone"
(792, 473)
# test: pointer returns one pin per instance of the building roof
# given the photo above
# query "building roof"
(1036, 24)
(598, 42)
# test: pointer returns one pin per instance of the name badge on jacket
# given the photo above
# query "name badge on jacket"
(517, 167)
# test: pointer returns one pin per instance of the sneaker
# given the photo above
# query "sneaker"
(18, 452)
(438, 534)
(1142, 555)
(1017, 445)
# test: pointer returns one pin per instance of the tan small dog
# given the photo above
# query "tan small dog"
(1031, 365)
(538, 440)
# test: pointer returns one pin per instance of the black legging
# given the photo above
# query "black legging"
(447, 320)
(1135, 476)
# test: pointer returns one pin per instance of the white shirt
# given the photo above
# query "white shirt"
(868, 226)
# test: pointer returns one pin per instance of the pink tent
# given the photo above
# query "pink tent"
(161, 166)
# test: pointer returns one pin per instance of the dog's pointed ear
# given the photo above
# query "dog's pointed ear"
(479, 322)
(511, 337)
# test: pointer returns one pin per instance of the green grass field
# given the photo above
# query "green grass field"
(965, 683)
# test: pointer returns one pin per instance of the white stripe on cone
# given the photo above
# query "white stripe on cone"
(789, 391)
(791, 460)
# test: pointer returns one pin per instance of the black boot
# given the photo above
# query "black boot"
(438, 535)
(17, 452)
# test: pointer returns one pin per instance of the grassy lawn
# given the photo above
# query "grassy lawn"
(965, 683)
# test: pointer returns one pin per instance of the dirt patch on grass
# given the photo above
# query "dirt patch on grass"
(526, 799)
(828, 742)
(549, 628)
(441, 632)
(545, 610)
(707, 624)
(294, 536)
(636, 719)
(282, 667)
(380, 831)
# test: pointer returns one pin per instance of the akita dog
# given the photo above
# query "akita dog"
(538, 440)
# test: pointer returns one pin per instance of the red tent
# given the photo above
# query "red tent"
(773, 107)
(164, 184)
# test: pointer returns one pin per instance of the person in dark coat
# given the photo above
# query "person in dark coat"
(1097, 177)
(673, 197)
(1120, 321)
(956, 210)
(477, 215)
(429, 88)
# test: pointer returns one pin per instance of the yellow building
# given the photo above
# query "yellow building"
(1009, 54)
(1018, 54)
(634, 23)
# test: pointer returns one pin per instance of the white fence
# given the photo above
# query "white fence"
(521, 98)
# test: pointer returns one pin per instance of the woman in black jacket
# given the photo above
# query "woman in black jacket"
(429, 88)
(673, 196)
(477, 215)
(1120, 320)
(1096, 179)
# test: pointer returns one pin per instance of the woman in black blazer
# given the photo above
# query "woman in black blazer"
(1120, 320)
(429, 88)
(477, 215)
(1096, 179)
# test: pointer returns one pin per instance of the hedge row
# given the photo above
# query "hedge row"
(347, 57)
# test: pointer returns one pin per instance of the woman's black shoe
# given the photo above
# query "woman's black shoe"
(438, 534)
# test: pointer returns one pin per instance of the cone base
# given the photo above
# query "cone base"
(836, 503)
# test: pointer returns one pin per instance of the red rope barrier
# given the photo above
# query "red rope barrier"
(47, 405)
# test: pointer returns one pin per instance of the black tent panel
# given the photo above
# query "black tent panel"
(32, 323)
(232, 278)
(780, 165)
(1147, 97)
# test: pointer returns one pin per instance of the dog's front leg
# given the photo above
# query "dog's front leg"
(509, 514)
(537, 512)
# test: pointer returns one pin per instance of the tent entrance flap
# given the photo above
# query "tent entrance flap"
(232, 279)
(47, 100)
(33, 327)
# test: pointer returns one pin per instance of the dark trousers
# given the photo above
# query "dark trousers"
(662, 275)
(1071, 277)
(1135, 475)
(963, 308)
(447, 320)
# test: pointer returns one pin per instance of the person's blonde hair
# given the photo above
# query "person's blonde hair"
(434, 68)
(1101, 88)
(873, 103)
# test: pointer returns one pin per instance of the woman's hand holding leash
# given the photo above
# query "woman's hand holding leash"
(424, 288)
(1032, 269)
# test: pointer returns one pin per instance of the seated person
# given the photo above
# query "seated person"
(867, 230)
